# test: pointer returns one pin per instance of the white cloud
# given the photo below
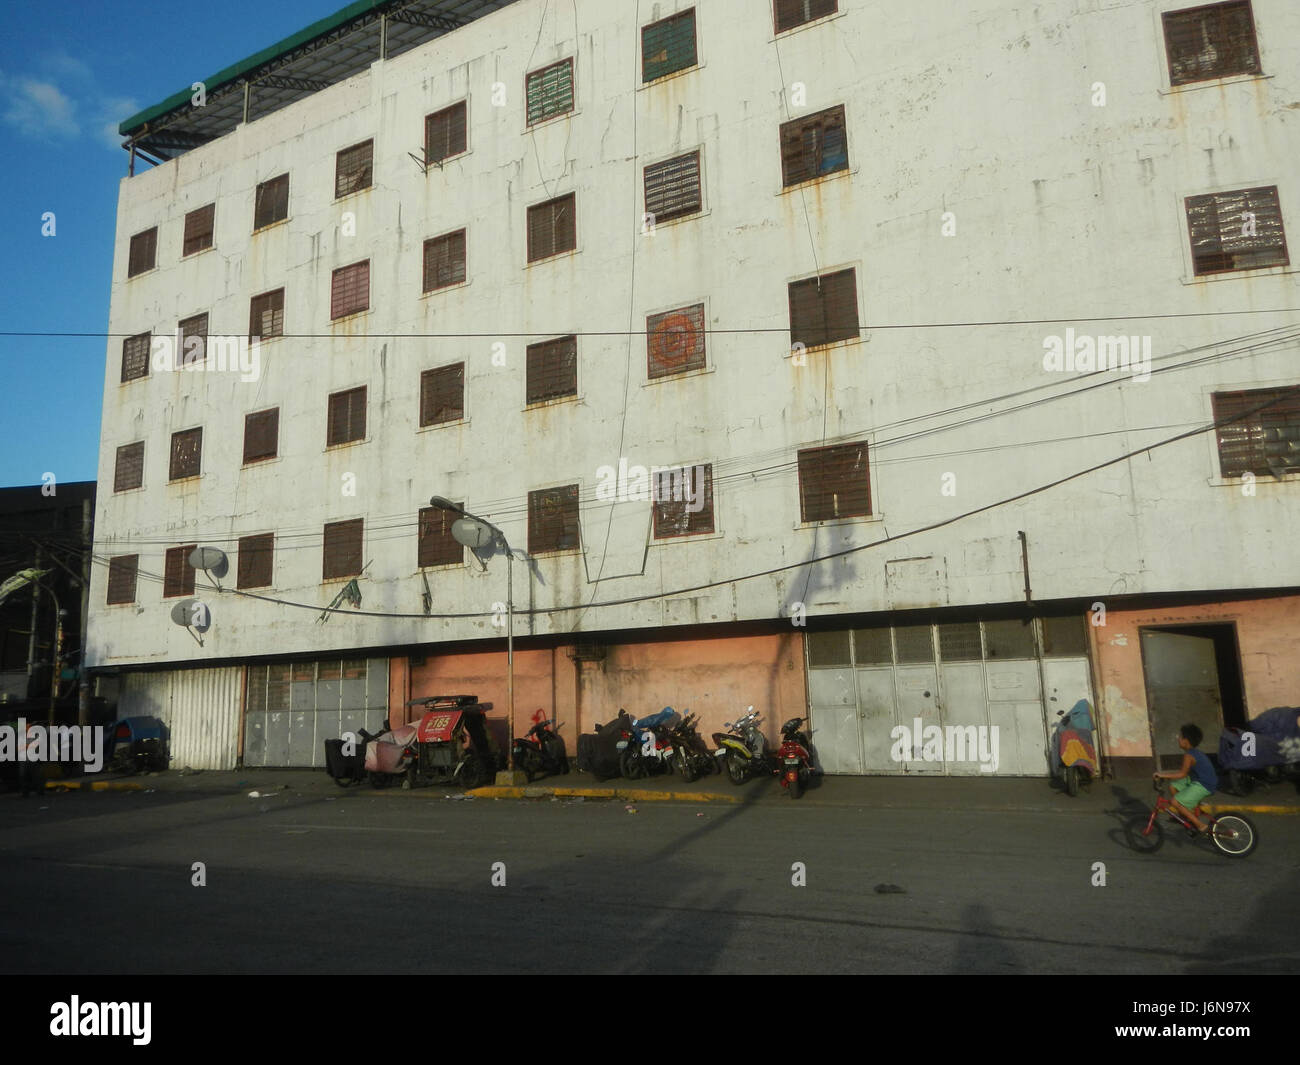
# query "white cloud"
(38, 108)
(113, 110)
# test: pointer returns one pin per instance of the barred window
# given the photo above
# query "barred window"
(792, 13)
(824, 309)
(178, 574)
(144, 252)
(668, 46)
(683, 502)
(135, 356)
(350, 290)
(122, 571)
(342, 553)
(266, 315)
(272, 202)
(193, 340)
(552, 228)
(834, 482)
(552, 369)
(550, 91)
(444, 133)
(1211, 41)
(261, 435)
(442, 395)
(553, 520)
(347, 416)
(198, 229)
(672, 188)
(1258, 431)
(1239, 230)
(187, 450)
(444, 261)
(354, 169)
(128, 471)
(675, 341)
(813, 146)
(437, 546)
(256, 558)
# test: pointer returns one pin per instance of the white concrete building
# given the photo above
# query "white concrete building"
(497, 261)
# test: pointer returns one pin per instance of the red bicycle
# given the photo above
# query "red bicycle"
(1232, 835)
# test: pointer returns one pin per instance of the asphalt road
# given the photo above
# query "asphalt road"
(102, 883)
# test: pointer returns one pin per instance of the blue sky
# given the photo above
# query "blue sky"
(69, 73)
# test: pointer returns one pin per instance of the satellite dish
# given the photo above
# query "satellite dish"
(192, 614)
(473, 534)
(211, 559)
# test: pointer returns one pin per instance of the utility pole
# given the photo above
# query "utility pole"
(31, 635)
(83, 691)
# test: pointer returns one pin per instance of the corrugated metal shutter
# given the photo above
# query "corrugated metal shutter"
(1213, 41)
(444, 133)
(198, 229)
(342, 553)
(675, 341)
(122, 570)
(178, 574)
(261, 435)
(672, 188)
(442, 395)
(553, 519)
(129, 470)
(552, 369)
(668, 46)
(437, 547)
(824, 309)
(256, 560)
(552, 228)
(1261, 442)
(814, 146)
(272, 202)
(1240, 230)
(143, 253)
(550, 91)
(347, 416)
(444, 261)
(193, 340)
(200, 708)
(187, 454)
(350, 289)
(135, 356)
(354, 169)
(834, 482)
(792, 13)
(674, 514)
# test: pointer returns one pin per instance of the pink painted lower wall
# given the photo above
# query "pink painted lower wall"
(1268, 638)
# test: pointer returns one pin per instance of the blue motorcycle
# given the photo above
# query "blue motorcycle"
(1266, 750)
(646, 746)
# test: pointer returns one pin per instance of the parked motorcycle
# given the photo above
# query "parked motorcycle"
(345, 760)
(1076, 755)
(795, 758)
(1272, 753)
(647, 747)
(745, 748)
(690, 752)
(450, 744)
(541, 751)
(136, 745)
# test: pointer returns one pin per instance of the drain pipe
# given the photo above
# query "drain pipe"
(1038, 649)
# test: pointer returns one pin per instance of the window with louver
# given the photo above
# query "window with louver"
(144, 252)
(675, 341)
(350, 290)
(135, 356)
(261, 435)
(347, 416)
(178, 574)
(198, 229)
(437, 546)
(1258, 431)
(193, 340)
(272, 202)
(674, 513)
(122, 571)
(553, 520)
(187, 453)
(256, 560)
(1211, 41)
(814, 146)
(552, 369)
(672, 188)
(668, 46)
(1239, 230)
(442, 395)
(824, 309)
(444, 133)
(266, 315)
(354, 169)
(834, 482)
(342, 551)
(128, 471)
(552, 228)
(792, 13)
(444, 261)
(550, 91)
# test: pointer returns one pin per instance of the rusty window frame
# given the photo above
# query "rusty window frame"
(668, 46)
(341, 554)
(445, 133)
(444, 261)
(672, 517)
(261, 435)
(1265, 442)
(178, 574)
(553, 520)
(186, 455)
(266, 315)
(437, 547)
(135, 356)
(814, 146)
(350, 290)
(791, 13)
(128, 467)
(442, 395)
(834, 482)
(824, 309)
(143, 254)
(347, 417)
(672, 188)
(675, 341)
(548, 91)
(1210, 42)
(199, 225)
(187, 329)
(256, 561)
(122, 570)
(1216, 224)
(272, 202)
(552, 227)
(552, 369)
(354, 169)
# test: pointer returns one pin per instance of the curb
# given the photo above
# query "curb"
(93, 785)
(1250, 808)
(626, 794)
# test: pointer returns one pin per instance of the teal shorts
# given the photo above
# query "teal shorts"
(1189, 794)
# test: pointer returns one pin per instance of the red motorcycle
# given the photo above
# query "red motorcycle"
(794, 760)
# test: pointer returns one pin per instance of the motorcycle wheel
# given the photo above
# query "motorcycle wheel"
(1234, 835)
(1072, 780)
(1143, 844)
(735, 768)
(630, 765)
(795, 790)
(1240, 783)
(686, 765)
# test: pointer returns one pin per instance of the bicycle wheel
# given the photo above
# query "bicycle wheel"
(1233, 835)
(1142, 841)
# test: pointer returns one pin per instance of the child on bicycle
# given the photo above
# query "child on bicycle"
(1195, 781)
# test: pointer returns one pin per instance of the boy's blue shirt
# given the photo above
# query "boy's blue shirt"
(1202, 771)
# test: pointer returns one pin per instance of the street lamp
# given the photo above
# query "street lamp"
(478, 534)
